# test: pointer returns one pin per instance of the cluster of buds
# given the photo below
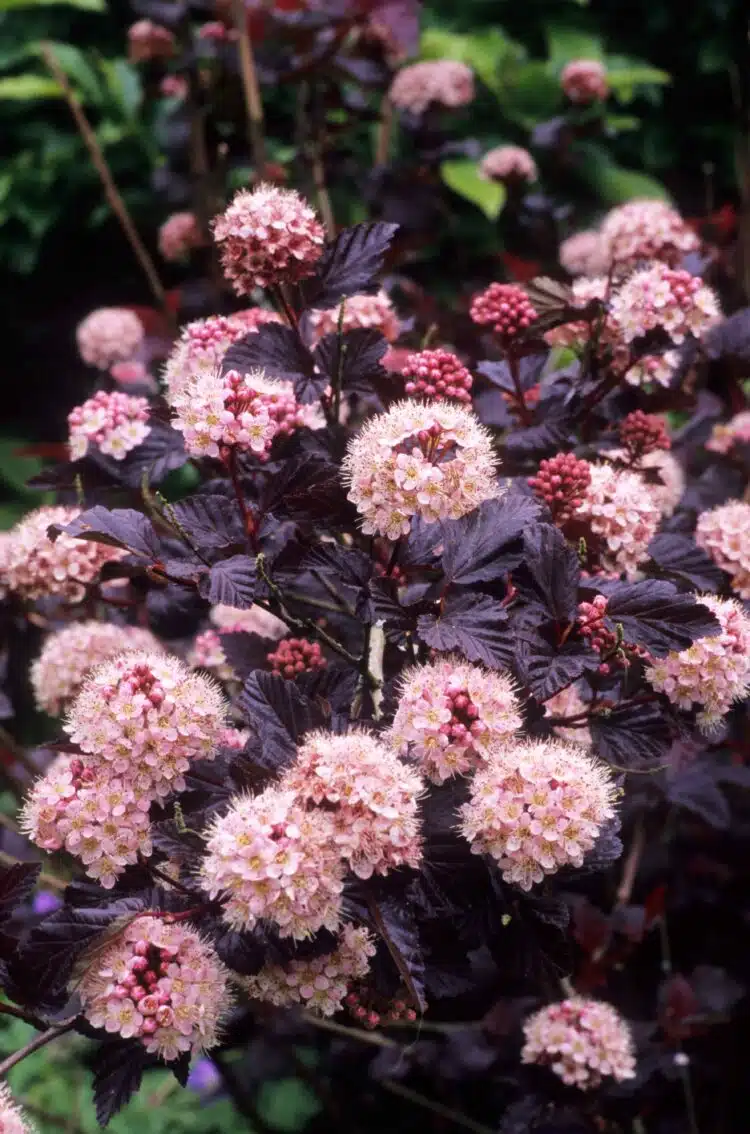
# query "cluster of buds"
(109, 335)
(590, 621)
(645, 230)
(584, 81)
(442, 82)
(360, 1005)
(583, 1041)
(511, 164)
(667, 299)
(179, 235)
(643, 433)
(113, 422)
(735, 432)
(437, 374)
(204, 342)
(147, 41)
(561, 483)
(506, 308)
(360, 312)
(37, 567)
(296, 655)
(724, 533)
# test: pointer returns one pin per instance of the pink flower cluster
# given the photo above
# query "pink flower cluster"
(667, 299)
(158, 982)
(68, 654)
(619, 508)
(724, 533)
(714, 672)
(207, 652)
(268, 236)
(320, 984)
(561, 482)
(369, 312)
(450, 714)
(296, 655)
(536, 806)
(114, 423)
(569, 703)
(581, 254)
(645, 230)
(179, 235)
(108, 335)
(667, 492)
(36, 566)
(583, 1041)
(369, 795)
(506, 308)
(443, 82)
(508, 163)
(652, 370)
(12, 1118)
(147, 40)
(253, 620)
(584, 81)
(725, 436)
(437, 374)
(432, 460)
(203, 343)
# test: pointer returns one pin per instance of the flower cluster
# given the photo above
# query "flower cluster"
(582, 1041)
(581, 254)
(68, 654)
(320, 984)
(643, 433)
(443, 82)
(714, 672)
(267, 237)
(645, 230)
(160, 983)
(450, 714)
(437, 374)
(368, 312)
(12, 1118)
(251, 620)
(569, 703)
(725, 436)
(179, 235)
(590, 619)
(620, 510)
(369, 795)
(296, 655)
(37, 566)
(508, 163)
(561, 483)
(207, 652)
(147, 41)
(108, 335)
(652, 369)
(666, 492)
(203, 343)
(724, 533)
(584, 81)
(666, 299)
(115, 423)
(432, 460)
(536, 806)
(504, 307)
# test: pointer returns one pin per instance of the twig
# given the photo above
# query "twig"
(384, 133)
(299, 623)
(632, 862)
(375, 1039)
(251, 87)
(321, 191)
(38, 1041)
(446, 1112)
(248, 519)
(523, 409)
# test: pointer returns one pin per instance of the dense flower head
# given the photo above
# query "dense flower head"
(68, 654)
(161, 983)
(108, 335)
(581, 254)
(252, 620)
(535, 806)
(179, 235)
(428, 459)
(583, 1041)
(204, 342)
(369, 312)
(37, 566)
(643, 433)
(296, 655)
(668, 485)
(12, 1118)
(216, 412)
(561, 482)
(276, 861)
(369, 795)
(450, 714)
(666, 299)
(584, 81)
(714, 672)
(268, 236)
(437, 374)
(652, 370)
(147, 716)
(444, 82)
(645, 230)
(113, 422)
(621, 510)
(319, 984)
(148, 40)
(724, 533)
(506, 308)
(508, 163)
(726, 435)
(207, 652)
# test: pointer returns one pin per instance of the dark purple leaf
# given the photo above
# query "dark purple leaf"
(632, 735)
(714, 989)
(678, 555)
(475, 625)
(350, 264)
(245, 652)
(545, 667)
(332, 688)
(162, 451)
(554, 432)
(232, 581)
(400, 20)
(655, 615)
(554, 569)
(281, 353)
(694, 787)
(473, 546)
(307, 488)
(210, 521)
(395, 922)
(245, 952)
(530, 368)
(118, 1067)
(280, 715)
(16, 883)
(117, 527)
(730, 338)
(354, 357)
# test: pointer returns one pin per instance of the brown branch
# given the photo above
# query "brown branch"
(384, 133)
(321, 190)
(38, 1041)
(251, 88)
(632, 862)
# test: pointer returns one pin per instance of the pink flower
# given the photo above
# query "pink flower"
(147, 40)
(581, 254)
(536, 806)
(584, 81)
(441, 81)
(207, 652)
(173, 86)
(505, 308)
(432, 460)
(437, 374)
(267, 237)
(725, 436)
(667, 491)
(652, 370)
(645, 230)
(372, 312)
(254, 620)
(623, 514)
(508, 163)
(663, 298)
(724, 533)
(450, 714)
(108, 335)
(36, 566)
(203, 343)
(179, 235)
(294, 656)
(583, 1041)
(114, 423)
(12, 1118)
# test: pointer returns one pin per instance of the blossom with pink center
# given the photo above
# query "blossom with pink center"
(652, 370)
(113, 422)
(440, 82)
(274, 860)
(583, 1041)
(12, 1118)
(536, 806)
(569, 703)
(437, 374)
(179, 235)
(37, 567)
(68, 654)
(667, 299)
(621, 510)
(506, 308)
(581, 254)
(584, 81)
(645, 230)
(724, 533)
(734, 432)
(147, 41)
(508, 163)
(319, 984)
(369, 312)
(207, 652)
(714, 672)
(666, 492)
(450, 714)
(369, 795)
(253, 620)
(109, 335)
(172, 1004)
(147, 717)
(268, 236)
(204, 342)
(428, 459)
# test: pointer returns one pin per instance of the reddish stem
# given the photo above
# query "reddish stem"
(523, 409)
(248, 520)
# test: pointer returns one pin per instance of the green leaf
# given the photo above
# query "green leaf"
(23, 88)
(564, 44)
(611, 183)
(78, 69)
(463, 177)
(287, 1104)
(624, 80)
(87, 5)
(529, 93)
(619, 123)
